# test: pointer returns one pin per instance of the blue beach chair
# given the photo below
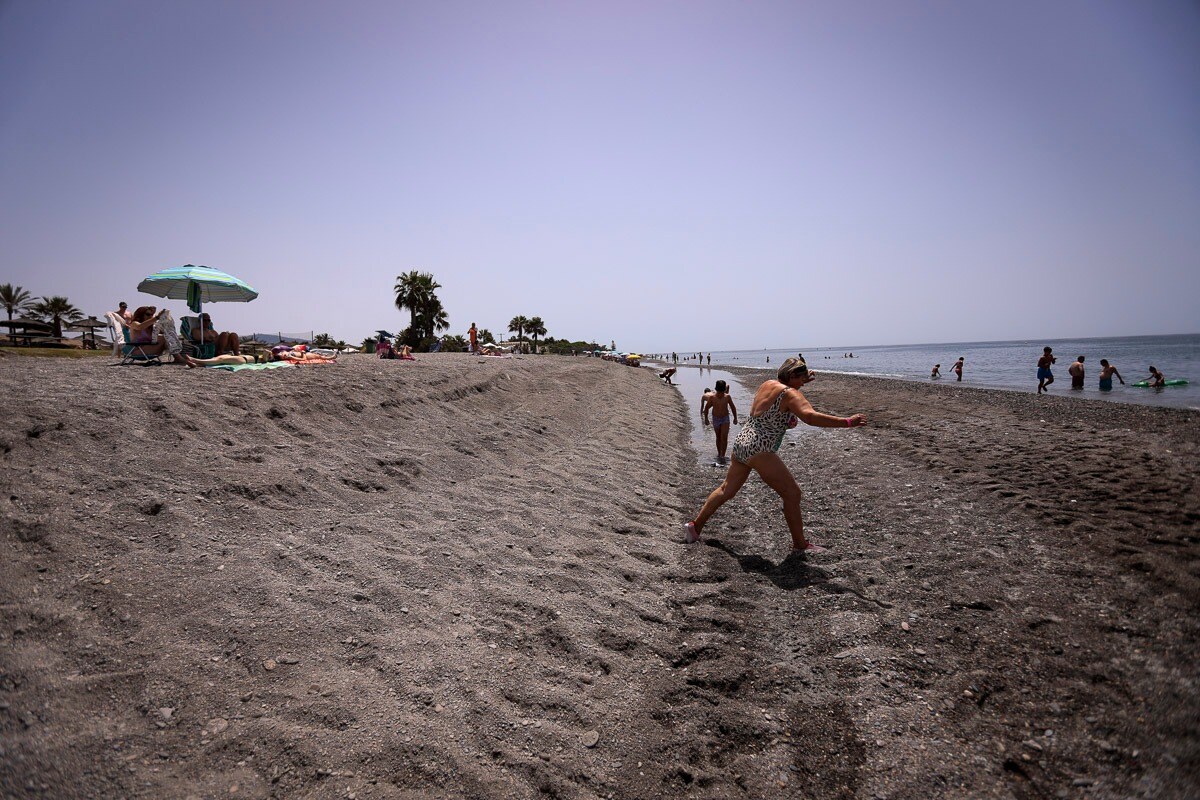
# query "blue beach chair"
(191, 346)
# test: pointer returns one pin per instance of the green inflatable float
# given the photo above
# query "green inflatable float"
(1146, 384)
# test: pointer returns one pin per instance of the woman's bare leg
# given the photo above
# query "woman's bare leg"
(734, 480)
(776, 475)
(216, 361)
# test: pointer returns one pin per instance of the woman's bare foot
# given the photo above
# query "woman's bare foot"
(809, 547)
(188, 360)
(690, 534)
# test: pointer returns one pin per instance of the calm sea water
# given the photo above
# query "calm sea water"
(1011, 365)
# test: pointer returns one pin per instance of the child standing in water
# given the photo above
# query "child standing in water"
(721, 405)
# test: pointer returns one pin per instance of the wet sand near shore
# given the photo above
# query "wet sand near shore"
(464, 578)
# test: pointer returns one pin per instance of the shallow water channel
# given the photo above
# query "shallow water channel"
(691, 382)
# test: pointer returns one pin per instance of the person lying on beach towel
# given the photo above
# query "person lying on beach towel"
(301, 355)
(223, 360)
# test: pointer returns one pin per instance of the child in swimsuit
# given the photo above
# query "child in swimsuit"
(721, 405)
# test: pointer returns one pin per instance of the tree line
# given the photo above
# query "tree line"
(55, 310)
(416, 293)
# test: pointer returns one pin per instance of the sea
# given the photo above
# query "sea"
(1007, 365)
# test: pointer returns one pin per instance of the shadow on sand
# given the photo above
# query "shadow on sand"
(793, 572)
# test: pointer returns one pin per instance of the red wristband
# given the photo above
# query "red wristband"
(848, 423)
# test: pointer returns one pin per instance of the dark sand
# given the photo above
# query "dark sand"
(455, 578)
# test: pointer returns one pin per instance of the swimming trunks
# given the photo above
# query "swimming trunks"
(1076, 382)
(1106, 384)
(1044, 373)
(764, 433)
(719, 421)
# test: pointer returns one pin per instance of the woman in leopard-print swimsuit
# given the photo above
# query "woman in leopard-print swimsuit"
(777, 406)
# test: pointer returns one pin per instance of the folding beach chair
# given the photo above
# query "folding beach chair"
(191, 346)
(133, 353)
(116, 332)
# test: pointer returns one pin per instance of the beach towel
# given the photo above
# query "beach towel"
(240, 367)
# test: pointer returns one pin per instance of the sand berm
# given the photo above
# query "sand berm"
(465, 578)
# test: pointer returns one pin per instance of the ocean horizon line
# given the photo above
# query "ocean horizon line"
(1023, 340)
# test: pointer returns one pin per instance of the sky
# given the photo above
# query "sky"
(669, 175)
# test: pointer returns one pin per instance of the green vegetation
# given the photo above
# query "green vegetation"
(55, 352)
(325, 340)
(517, 325)
(535, 328)
(57, 310)
(15, 299)
(417, 292)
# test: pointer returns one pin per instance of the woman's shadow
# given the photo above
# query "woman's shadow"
(793, 572)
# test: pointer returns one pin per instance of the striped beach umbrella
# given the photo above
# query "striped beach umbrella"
(198, 285)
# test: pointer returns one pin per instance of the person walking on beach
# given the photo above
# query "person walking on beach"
(937, 371)
(721, 405)
(958, 368)
(474, 334)
(777, 406)
(1045, 376)
(1156, 380)
(1106, 372)
(1076, 373)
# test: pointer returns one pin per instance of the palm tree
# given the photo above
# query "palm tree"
(432, 317)
(413, 291)
(535, 328)
(15, 299)
(55, 310)
(517, 324)
(486, 337)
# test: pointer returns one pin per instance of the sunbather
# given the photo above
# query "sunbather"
(226, 341)
(142, 333)
(225, 359)
(299, 354)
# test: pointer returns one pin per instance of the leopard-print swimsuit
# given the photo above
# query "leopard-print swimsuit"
(764, 433)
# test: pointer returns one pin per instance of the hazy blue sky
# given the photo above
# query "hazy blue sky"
(672, 175)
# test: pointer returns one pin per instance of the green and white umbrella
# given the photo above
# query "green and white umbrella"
(198, 285)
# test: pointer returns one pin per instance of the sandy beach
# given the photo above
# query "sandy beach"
(460, 577)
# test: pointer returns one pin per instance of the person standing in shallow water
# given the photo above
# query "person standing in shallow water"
(1106, 375)
(721, 405)
(937, 371)
(958, 368)
(777, 406)
(1076, 373)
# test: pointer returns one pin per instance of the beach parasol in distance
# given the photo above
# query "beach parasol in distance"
(89, 326)
(198, 285)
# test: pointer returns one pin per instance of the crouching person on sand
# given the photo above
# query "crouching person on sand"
(776, 406)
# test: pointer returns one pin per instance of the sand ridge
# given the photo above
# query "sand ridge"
(464, 578)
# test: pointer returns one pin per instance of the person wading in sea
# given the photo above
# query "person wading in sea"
(721, 405)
